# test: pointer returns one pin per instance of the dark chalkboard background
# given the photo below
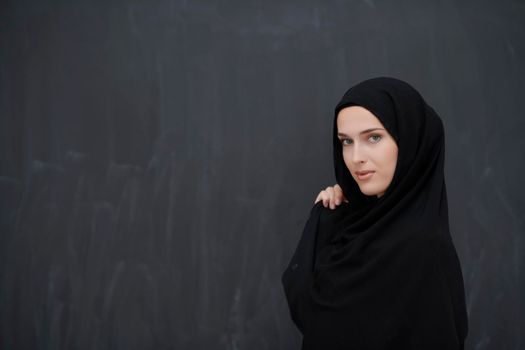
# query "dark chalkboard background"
(158, 159)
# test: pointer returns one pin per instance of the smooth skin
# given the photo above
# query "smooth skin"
(367, 146)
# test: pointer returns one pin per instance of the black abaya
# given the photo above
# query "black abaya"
(383, 273)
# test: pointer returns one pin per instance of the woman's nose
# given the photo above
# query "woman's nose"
(358, 156)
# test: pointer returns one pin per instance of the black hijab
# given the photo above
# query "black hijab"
(383, 273)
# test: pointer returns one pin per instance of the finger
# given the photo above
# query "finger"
(331, 195)
(321, 197)
(326, 199)
(338, 193)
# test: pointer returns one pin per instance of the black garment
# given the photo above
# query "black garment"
(383, 273)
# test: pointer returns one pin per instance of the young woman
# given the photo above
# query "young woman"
(380, 271)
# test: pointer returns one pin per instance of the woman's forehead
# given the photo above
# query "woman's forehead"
(356, 119)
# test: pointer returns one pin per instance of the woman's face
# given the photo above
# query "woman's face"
(369, 151)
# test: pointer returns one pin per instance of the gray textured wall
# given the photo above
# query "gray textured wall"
(158, 159)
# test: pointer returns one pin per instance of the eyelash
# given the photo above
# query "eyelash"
(379, 137)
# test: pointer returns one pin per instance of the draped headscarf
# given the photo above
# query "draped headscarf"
(383, 273)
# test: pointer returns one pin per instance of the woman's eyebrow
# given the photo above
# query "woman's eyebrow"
(362, 132)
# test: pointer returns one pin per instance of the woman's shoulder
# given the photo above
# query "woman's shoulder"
(327, 216)
(332, 216)
(327, 221)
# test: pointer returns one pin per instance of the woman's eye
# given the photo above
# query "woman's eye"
(374, 138)
(346, 142)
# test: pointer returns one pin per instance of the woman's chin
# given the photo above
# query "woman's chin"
(368, 191)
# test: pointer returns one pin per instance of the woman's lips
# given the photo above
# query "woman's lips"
(364, 175)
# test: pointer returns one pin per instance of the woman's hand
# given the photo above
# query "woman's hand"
(331, 196)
